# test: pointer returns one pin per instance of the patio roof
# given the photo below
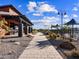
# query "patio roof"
(11, 6)
(24, 18)
(27, 21)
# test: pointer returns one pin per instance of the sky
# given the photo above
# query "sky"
(44, 13)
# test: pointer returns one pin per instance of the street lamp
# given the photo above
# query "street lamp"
(62, 16)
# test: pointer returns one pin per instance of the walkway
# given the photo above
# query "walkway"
(40, 48)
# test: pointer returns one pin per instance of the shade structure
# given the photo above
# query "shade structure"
(72, 22)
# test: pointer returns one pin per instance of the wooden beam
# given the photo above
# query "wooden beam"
(24, 21)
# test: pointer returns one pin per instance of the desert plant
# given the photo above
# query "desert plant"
(58, 35)
(67, 46)
(52, 36)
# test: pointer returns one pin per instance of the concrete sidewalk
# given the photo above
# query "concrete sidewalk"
(40, 48)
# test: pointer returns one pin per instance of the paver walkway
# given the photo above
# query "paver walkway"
(40, 48)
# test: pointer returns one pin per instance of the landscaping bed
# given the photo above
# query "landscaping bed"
(11, 48)
(65, 46)
(66, 49)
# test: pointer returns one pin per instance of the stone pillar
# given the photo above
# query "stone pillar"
(30, 29)
(20, 29)
(25, 29)
(14, 27)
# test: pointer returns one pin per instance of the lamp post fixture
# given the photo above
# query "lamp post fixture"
(62, 16)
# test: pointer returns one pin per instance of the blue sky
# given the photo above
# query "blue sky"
(43, 13)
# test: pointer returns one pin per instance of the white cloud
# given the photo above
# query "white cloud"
(74, 15)
(77, 4)
(41, 7)
(47, 20)
(47, 8)
(36, 21)
(66, 16)
(75, 9)
(36, 14)
(40, 3)
(31, 6)
(66, 20)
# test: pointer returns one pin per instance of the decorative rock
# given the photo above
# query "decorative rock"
(10, 52)
(17, 43)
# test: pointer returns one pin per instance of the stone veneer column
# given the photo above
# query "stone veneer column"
(30, 29)
(25, 29)
(20, 28)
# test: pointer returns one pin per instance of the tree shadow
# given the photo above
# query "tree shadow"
(43, 44)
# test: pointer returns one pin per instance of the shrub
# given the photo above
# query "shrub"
(48, 37)
(58, 35)
(52, 36)
(67, 45)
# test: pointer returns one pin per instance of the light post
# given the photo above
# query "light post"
(62, 16)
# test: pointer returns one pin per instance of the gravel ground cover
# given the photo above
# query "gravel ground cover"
(11, 48)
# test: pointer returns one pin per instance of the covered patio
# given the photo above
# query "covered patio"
(17, 22)
(21, 23)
